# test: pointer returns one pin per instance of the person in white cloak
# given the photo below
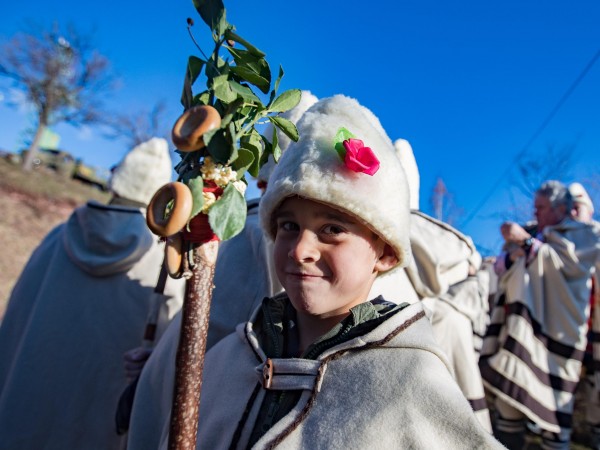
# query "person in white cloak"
(81, 301)
(248, 259)
(244, 276)
(322, 365)
(445, 275)
(532, 353)
(589, 385)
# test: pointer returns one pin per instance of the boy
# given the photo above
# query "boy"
(321, 366)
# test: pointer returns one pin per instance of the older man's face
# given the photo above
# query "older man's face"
(545, 214)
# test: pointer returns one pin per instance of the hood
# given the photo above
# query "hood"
(104, 240)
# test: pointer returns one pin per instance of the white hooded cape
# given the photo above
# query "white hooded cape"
(390, 388)
(80, 303)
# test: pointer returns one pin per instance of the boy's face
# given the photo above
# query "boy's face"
(326, 260)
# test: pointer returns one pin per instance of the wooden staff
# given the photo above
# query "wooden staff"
(193, 246)
(192, 346)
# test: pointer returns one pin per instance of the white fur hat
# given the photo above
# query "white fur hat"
(580, 195)
(409, 164)
(293, 115)
(143, 171)
(313, 169)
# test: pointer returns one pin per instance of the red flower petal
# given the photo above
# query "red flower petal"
(360, 158)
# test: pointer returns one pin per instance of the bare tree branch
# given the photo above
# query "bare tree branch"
(140, 126)
(61, 74)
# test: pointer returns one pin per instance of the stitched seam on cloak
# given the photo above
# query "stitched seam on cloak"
(238, 431)
(309, 404)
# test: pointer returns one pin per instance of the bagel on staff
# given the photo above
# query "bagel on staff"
(166, 223)
(192, 125)
(174, 255)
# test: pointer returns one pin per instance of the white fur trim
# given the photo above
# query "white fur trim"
(312, 168)
(407, 159)
(143, 171)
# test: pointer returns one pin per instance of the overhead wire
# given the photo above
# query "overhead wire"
(533, 137)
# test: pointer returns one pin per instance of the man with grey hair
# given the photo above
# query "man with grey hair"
(532, 353)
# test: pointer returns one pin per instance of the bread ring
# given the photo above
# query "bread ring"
(174, 256)
(156, 218)
(190, 127)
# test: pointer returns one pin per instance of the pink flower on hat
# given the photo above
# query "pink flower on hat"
(360, 158)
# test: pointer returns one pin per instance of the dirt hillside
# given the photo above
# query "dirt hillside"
(32, 204)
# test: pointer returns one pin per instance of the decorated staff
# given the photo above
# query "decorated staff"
(218, 143)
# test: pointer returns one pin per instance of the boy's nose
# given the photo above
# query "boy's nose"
(305, 248)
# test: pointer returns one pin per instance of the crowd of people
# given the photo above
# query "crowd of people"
(342, 316)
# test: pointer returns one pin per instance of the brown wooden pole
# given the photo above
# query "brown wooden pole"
(191, 348)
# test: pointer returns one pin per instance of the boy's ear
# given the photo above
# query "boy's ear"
(387, 259)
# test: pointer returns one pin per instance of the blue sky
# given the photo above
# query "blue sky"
(466, 83)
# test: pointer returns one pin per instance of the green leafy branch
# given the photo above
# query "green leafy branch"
(229, 88)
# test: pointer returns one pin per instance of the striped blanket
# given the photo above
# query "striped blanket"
(534, 347)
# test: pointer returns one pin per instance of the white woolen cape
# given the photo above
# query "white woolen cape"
(244, 276)
(439, 272)
(389, 389)
(80, 303)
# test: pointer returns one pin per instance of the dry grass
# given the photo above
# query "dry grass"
(32, 204)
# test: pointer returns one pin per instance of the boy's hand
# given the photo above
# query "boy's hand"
(134, 361)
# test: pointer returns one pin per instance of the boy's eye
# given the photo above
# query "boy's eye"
(286, 225)
(332, 229)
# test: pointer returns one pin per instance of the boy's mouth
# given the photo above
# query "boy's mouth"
(304, 275)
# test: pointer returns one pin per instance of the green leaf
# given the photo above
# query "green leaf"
(201, 99)
(227, 216)
(254, 143)
(192, 72)
(230, 35)
(229, 110)
(196, 185)
(215, 66)
(341, 135)
(278, 80)
(194, 68)
(219, 148)
(249, 75)
(275, 149)
(243, 162)
(221, 27)
(232, 143)
(286, 126)
(211, 11)
(222, 89)
(244, 91)
(286, 100)
(206, 137)
(258, 65)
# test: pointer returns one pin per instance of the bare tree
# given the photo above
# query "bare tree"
(140, 126)
(442, 202)
(62, 75)
(553, 163)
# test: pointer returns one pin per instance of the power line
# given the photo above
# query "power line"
(535, 135)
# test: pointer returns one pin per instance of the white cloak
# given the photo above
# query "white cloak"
(80, 303)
